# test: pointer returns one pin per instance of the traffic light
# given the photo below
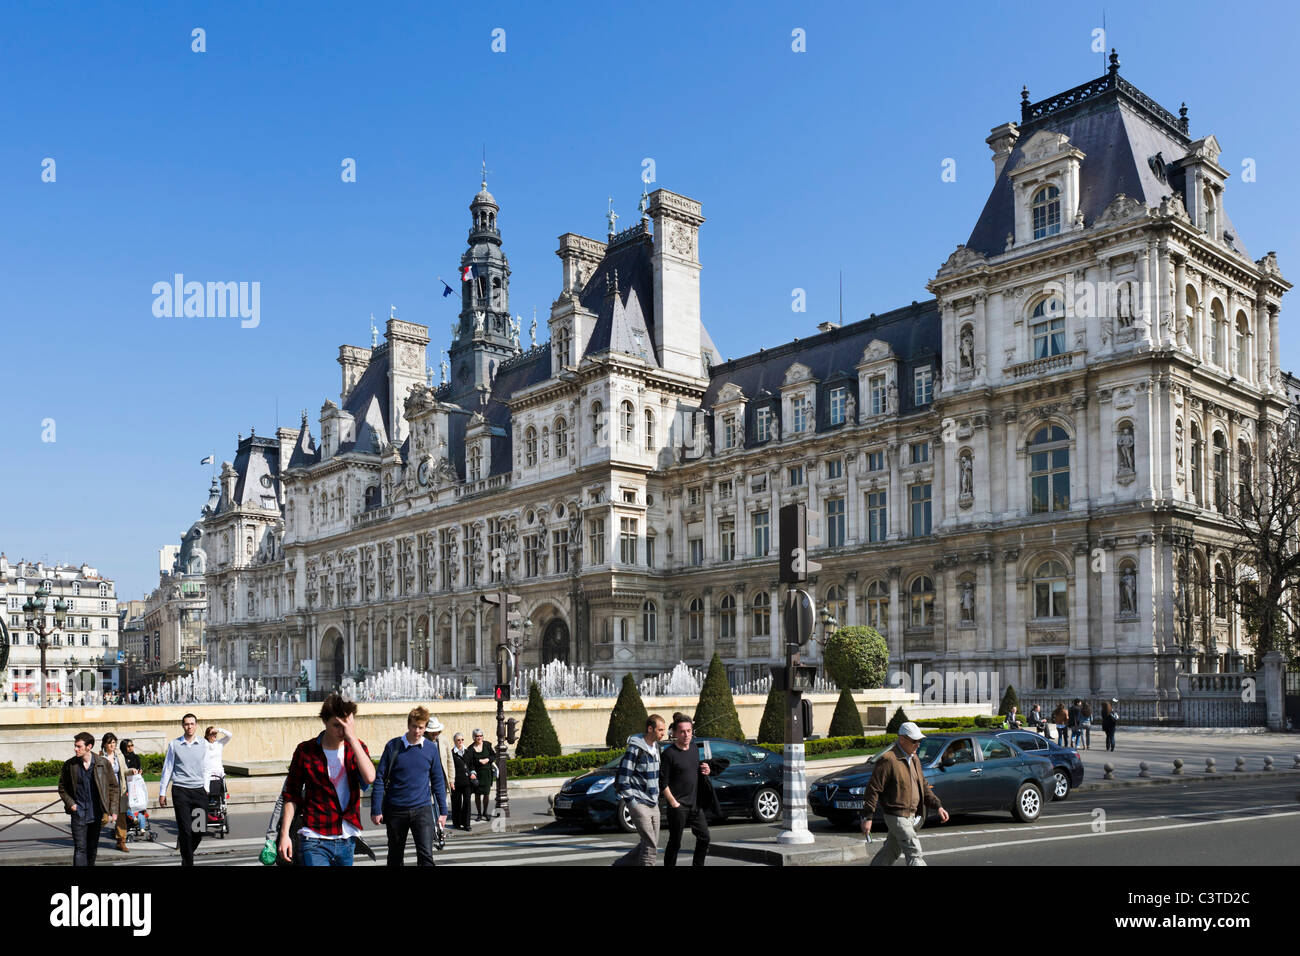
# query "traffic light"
(503, 692)
(806, 716)
(794, 542)
(512, 728)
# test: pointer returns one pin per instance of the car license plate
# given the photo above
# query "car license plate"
(563, 803)
(848, 804)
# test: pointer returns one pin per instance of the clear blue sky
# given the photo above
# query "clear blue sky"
(225, 166)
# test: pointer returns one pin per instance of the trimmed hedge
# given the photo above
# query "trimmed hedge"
(43, 768)
(847, 719)
(1009, 700)
(715, 714)
(537, 738)
(900, 717)
(771, 729)
(857, 657)
(983, 721)
(628, 716)
(152, 763)
(7, 771)
(517, 767)
(827, 745)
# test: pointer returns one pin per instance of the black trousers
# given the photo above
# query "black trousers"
(85, 840)
(460, 803)
(418, 821)
(191, 806)
(679, 818)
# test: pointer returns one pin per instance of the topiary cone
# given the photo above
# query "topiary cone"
(537, 738)
(628, 716)
(715, 714)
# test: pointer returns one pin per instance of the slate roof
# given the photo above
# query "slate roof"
(368, 404)
(1119, 129)
(305, 452)
(256, 457)
(624, 322)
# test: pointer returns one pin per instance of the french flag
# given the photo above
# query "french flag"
(467, 273)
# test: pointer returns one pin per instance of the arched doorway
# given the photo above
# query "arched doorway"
(329, 662)
(555, 642)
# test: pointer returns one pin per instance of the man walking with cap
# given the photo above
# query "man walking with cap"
(898, 784)
(411, 772)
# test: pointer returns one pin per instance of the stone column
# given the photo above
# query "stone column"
(455, 638)
(1274, 349)
(1013, 632)
(1179, 304)
(1264, 338)
(1166, 315)
(895, 636)
(1271, 682)
(851, 607)
(853, 531)
(1230, 310)
(982, 338)
(708, 625)
(710, 526)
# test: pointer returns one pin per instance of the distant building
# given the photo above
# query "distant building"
(175, 611)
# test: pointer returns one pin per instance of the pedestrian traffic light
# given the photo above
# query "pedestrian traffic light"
(806, 716)
(503, 692)
(794, 542)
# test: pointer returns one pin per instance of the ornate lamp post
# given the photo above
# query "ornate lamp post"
(71, 664)
(34, 615)
(419, 647)
(257, 654)
(131, 660)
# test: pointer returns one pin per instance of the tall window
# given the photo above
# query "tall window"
(532, 555)
(1046, 211)
(530, 445)
(1047, 328)
(762, 532)
(878, 606)
(649, 551)
(1244, 475)
(1220, 591)
(1198, 451)
(919, 498)
(1219, 332)
(875, 461)
(1221, 500)
(727, 539)
(876, 516)
(835, 468)
(649, 622)
(695, 551)
(596, 538)
(762, 614)
(923, 385)
(763, 424)
(649, 430)
(475, 463)
(727, 617)
(794, 476)
(627, 540)
(839, 404)
(1243, 346)
(1050, 591)
(876, 391)
(835, 530)
(1049, 470)
(560, 550)
(837, 603)
(799, 416)
(1049, 672)
(562, 346)
(561, 437)
(597, 423)
(495, 555)
(921, 594)
(695, 620)
(729, 431)
(920, 452)
(627, 416)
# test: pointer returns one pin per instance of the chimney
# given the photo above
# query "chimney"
(676, 261)
(354, 361)
(1002, 140)
(580, 257)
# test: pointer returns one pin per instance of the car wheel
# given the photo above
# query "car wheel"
(1061, 785)
(624, 818)
(1029, 803)
(767, 805)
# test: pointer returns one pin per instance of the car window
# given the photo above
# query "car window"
(929, 749)
(729, 750)
(961, 750)
(995, 749)
(1028, 741)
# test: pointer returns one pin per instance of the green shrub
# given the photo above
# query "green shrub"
(7, 771)
(826, 745)
(43, 768)
(771, 729)
(628, 716)
(537, 738)
(518, 767)
(847, 719)
(152, 763)
(857, 657)
(960, 723)
(715, 714)
(896, 721)
(1009, 700)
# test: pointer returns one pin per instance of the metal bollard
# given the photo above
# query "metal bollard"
(1110, 771)
(1241, 764)
(1268, 763)
(1209, 765)
(1178, 766)
(1143, 769)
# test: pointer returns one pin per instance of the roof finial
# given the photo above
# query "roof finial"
(1114, 62)
(644, 204)
(374, 332)
(304, 418)
(1182, 117)
(1024, 103)
(611, 216)
(485, 167)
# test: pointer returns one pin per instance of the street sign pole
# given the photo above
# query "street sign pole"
(798, 619)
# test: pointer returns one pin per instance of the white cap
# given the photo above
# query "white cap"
(910, 730)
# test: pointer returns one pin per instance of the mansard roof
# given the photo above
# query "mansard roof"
(255, 458)
(305, 452)
(368, 405)
(1129, 142)
(625, 319)
(912, 332)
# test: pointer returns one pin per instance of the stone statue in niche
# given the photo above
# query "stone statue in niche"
(1128, 583)
(967, 348)
(968, 602)
(1124, 446)
(1124, 305)
(965, 476)
(1178, 444)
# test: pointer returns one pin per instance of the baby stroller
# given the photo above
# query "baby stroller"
(137, 817)
(218, 823)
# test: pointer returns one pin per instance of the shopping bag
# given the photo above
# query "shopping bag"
(137, 795)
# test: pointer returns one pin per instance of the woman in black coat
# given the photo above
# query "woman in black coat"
(1108, 721)
(460, 795)
(481, 757)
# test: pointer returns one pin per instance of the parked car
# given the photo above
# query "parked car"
(749, 786)
(1066, 763)
(970, 773)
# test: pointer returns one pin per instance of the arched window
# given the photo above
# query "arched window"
(695, 620)
(1198, 450)
(1189, 317)
(837, 604)
(1245, 477)
(921, 594)
(468, 654)
(597, 423)
(562, 347)
(1047, 328)
(1220, 591)
(1219, 333)
(1220, 463)
(649, 622)
(1243, 346)
(1051, 589)
(762, 614)
(1046, 209)
(561, 437)
(727, 617)
(475, 463)
(878, 606)
(530, 446)
(1211, 213)
(1049, 470)
(649, 430)
(628, 422)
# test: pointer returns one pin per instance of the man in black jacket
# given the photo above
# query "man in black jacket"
(88, 787)
(681, 772)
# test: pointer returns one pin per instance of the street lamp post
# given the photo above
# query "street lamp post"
(34, 615)
(71, 663)
(419, 646)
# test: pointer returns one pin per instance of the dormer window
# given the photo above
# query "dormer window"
(763, 425)
(475, 463)
(799, 416)
(839, 403)
(729, 431)
(1046, 209)
(1047, 327)
(923, 385)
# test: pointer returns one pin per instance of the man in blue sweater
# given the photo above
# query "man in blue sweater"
(410, 775)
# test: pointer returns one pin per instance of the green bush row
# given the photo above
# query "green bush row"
(518, 767)
(7, 771)
(826, 745)
(150, 763)
(945, 723)
(43, 768)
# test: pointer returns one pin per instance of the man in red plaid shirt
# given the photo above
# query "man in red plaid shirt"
(324, 787)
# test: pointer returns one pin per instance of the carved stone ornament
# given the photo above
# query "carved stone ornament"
(1121, 208)
(681, 240)
(962, 259)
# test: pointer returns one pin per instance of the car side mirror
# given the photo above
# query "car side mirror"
(946, 762)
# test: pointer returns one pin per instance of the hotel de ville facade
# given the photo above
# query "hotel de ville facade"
(1017, 475)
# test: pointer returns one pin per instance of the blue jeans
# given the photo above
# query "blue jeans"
(316, 852)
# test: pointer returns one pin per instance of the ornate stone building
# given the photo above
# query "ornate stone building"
(1025, 475)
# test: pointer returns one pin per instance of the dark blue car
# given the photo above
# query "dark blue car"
(1067, 765)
